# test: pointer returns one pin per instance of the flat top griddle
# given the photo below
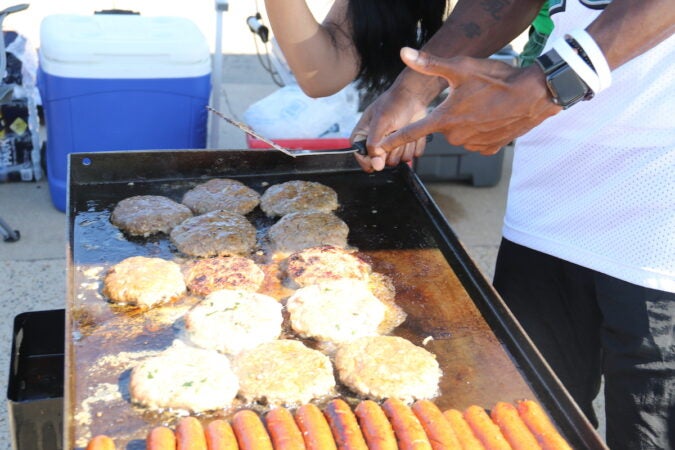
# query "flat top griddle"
(393, 221)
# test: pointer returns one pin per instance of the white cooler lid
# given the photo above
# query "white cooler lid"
(122, 46)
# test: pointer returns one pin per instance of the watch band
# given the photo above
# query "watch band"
(565, 85)
(584, 43)
(578, 65)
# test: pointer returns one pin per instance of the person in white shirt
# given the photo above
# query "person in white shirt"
(587, 263)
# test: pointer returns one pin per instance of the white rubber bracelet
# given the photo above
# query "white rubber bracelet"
(577, 64)
(594, 53)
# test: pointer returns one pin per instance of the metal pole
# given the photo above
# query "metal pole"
(217, 74)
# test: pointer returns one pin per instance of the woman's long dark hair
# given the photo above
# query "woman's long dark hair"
(382, 27)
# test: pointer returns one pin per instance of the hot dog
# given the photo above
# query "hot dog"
(344, 426)
(101, 442)
(283, 430)
(541, 426)
(375, 426)
(437, 427)
(408, 429)
(462, 430)
(160, 438)
(505, 415)
(314, 427)
(250, 431)
(484, 429)
(220, 436)
(190, 434)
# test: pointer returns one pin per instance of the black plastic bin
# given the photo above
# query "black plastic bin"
(445, 162)
(35, 388)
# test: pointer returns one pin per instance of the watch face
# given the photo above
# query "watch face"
(568, 88)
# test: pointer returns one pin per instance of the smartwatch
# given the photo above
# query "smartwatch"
(565, 86)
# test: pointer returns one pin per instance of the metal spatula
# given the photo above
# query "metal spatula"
(357, 147)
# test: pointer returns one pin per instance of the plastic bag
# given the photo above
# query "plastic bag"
(19, 124)
(290, 114)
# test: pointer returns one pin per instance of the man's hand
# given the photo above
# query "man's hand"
(395, 108)
(385, 115)
(490, 103)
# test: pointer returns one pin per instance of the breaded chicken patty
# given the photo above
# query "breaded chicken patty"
(325, 263)
(223, 272)
(143, 215)
(144, 282)
(221, 193)
(231, 321)
(297, 195)
(383, 288)
(217, 233)
(335, 311)
(380, 367)
(183, 377)
(301, 230)
(283, 372)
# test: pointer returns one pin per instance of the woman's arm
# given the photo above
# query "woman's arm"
(321, 55)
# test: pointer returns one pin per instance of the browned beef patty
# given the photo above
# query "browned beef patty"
(301, 230)
(293, 196)
(318, 265)
(143, 215)
(223, 272)
(217, 233)
(144, 282)
(325, 263)
(221, 193)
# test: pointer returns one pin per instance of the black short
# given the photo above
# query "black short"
(588, 324)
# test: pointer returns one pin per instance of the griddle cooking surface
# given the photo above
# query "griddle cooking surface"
(393, 221)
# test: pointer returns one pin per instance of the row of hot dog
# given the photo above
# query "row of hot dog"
(389, 426)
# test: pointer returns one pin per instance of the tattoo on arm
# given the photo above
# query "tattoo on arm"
(471, 29)
(494, 7)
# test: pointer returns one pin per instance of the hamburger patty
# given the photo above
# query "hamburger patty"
(293, 196)
(383, 288)
(316, 265)
(143, 215)
(231, 321)
(325, 263)
(217, 233)
(143, 281)
(301, 230)
(380, 367)
(335, 311)
(221, 193)
(183, 377)
(223, 272)
(283, 372)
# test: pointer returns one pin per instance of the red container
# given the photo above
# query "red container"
(307, 144)
(298, 144)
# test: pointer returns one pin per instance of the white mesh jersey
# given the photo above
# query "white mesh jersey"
(595, 184)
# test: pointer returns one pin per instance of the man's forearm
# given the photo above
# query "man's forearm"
(476, 28)
(479, 28)
(628, 28)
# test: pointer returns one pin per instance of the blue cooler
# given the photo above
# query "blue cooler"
(113, 82)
